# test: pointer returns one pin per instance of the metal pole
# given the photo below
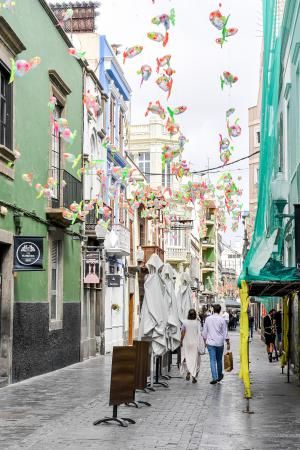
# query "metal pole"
(289, 341)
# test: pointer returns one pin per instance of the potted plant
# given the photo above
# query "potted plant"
(115, 307)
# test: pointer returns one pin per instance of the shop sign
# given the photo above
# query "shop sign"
(91, 264)
(28, 253)
(113, 280)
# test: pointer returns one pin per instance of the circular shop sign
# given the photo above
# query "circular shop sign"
(28, 253)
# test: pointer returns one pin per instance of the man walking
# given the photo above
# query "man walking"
(215, 333)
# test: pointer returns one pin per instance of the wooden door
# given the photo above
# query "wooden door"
(131, 319)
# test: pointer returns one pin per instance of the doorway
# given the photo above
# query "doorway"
(6, 306)
(131, 319)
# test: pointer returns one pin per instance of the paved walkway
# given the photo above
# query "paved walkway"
(56, 411)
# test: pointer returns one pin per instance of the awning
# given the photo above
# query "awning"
(272, 288)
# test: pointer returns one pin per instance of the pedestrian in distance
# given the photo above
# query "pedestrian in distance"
(251, 326)
(225, 316)
(190, 336)
(215, 333)
(269, 333)
(278, 325)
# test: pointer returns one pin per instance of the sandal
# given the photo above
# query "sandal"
(188, 377)
(194, 380)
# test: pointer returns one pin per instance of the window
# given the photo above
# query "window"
(56, 158)
(121, 130)
(256, 175)
(258, 137)
(5, 108)
(281, 150)
(166, 176)
(55, 281)
(144, 164)
(175, 239)
(112, 119)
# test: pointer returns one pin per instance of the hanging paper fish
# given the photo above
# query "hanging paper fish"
(162, 62)
(165, 83)
(172, 128)
(169, 71)
(20, 67)
(66, 15)
(131, 52)
(229, 112)
(78, 54)
(158, 37)
(220, 22)
(228, 79)
(146, 72)
(234, 130)
(176, 111)
(224, 143)
(165, 19)
(156, 108)
(182, 140)
(225, 34)
(91, 103)
(180, 169)
(69, 136)
(52, 104)
(225, 156)
(28, 177)
(8, 4)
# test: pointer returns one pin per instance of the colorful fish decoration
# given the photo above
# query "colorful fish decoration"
(165, 83)
(146, 72)
(165, 19)
(228, 79)
(172, 128)
(158, 37)
(176, 111)
(219, 21)
(162, 62)
(156, 108)
(20, 67)
(131, 52)
(78, 54)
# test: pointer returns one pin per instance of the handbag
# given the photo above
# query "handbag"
(201, 345)
(228, 362)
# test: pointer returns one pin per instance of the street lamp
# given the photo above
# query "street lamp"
(100, 231)
(245, 215)
(140, 255)
(280, 193)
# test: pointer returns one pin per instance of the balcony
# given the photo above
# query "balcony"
(208, 265)
(63, 198)
(121, 246)
(178, 255)
(208, 242)
(91, 221)
(150, 250)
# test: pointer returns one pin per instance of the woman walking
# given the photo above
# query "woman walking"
(190, 336)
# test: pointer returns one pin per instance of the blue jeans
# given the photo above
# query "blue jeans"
(216, 361)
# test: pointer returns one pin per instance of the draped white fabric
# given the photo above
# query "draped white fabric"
(184, 298)
(173, 322)
(189, 353)
(154, 315)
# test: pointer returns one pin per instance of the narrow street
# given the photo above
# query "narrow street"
(56, 411)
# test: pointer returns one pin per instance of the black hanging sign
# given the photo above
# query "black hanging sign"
(113, 280)
(28, 253)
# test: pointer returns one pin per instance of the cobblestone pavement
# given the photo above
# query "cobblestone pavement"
(56, 411)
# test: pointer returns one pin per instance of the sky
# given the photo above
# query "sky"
(198, 62)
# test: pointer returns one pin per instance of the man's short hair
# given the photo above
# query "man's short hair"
(217, 309)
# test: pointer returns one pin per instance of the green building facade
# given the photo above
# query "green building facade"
(40, 310)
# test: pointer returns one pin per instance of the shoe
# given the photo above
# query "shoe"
(194, 380)
(213, 382)
(270, 357)
(188, 377)
(221, 378)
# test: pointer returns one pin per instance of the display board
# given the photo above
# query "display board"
(123, 375)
